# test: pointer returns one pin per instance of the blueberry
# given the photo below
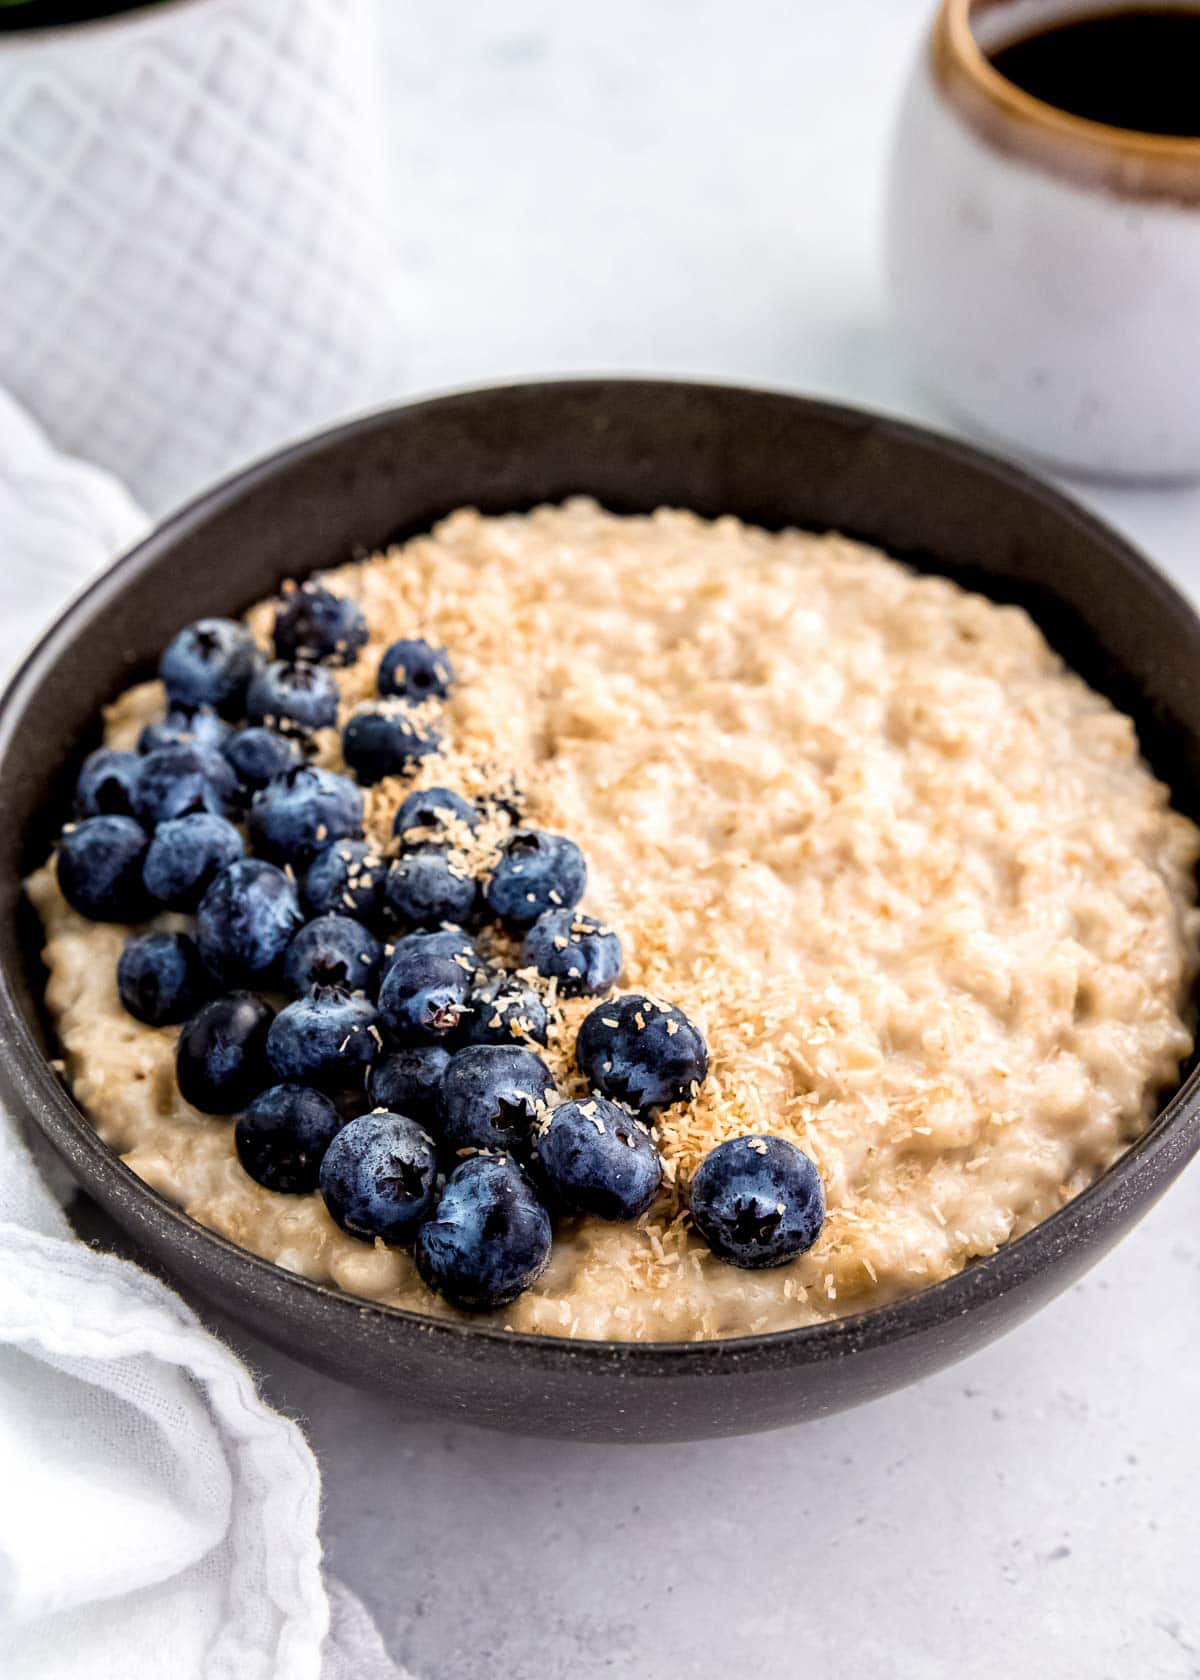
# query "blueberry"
(107, 783)
(596, 1158)
(333, 951)
(385, 738)
(186, 854)
(313, 623)
(258, 755)
(410, 1082)
(160, 977)
(165, 733)
(435, 813)
(423, 994)
(641, 1052)
(536, 872)
(579, 952)
(415, 670)
(379, 1177)
(506, 1010)
(325, 1038)
(301, 811)
(489, 1239)
(757, 1201)
(175, 780)
(220, 1060)
(184, 726)
(282, 1137)
(209, 664)
(423, 889)
(246, 921)
(491, 1096)
(346, 877)
(444, 942)
(100, 868)
(293, 698)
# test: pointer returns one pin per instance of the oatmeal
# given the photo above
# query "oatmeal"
(909, 875)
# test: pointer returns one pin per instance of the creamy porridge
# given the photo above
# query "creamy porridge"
(933, 913)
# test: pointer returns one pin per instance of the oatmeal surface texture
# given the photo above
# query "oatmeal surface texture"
(907, 872)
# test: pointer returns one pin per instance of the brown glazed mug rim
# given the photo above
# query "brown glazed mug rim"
(1094, 155)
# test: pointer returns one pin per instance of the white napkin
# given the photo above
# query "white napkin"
(156, 1518)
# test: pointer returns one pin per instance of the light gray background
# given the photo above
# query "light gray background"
(696, 188)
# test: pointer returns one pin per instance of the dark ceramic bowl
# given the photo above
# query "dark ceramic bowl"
(772, 459)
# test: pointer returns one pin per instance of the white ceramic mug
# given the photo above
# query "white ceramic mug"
(194, 249)
(1045, 269)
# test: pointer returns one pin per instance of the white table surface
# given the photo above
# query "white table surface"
(649, 185)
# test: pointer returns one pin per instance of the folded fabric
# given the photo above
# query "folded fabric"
(156, 1517)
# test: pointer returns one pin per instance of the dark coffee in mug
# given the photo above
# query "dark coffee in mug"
(1136, 69)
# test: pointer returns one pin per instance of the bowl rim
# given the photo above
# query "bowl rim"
(984, 1280)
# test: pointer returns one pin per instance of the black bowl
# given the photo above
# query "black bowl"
(772, 459)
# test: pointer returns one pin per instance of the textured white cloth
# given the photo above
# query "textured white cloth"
(195, 244)
(156, 1517)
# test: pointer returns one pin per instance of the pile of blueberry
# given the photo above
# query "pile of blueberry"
(465, 1152)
